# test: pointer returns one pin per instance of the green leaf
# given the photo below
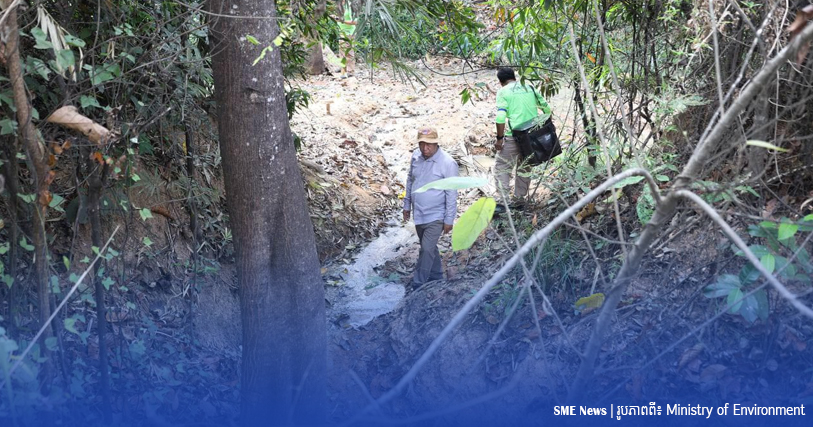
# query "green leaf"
(4, 247)
(73, 278)
(65, 59)
(735, 295)
(56, 200)
(8, 280)
(8, 126)
(74, 41)
(628, 181)
(766, 145)
(145, 214)
(25, 245)
(66, 262)
(135, 177)
(107, 282)
(55, 285)
(662, 178)
(28, 198)
(758, 250)
(748, 274)
(37, 66)
(749, 308)
(147, 242)
(89, 101)
(454, 183)
(472, 223)
(278, 40)
(787, 230)
(645, 207)
(722, 287)
(465, 96)
(51, 343)
(5, 97)
(41, 38)
(769, 262)
(85, 260)
(109, 72)
(763, 309)
(251, 39)
(70, 325)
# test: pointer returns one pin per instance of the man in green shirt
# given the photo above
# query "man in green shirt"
(517, 105)
(347, 25)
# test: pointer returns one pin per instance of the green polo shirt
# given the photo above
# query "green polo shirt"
(348, 29)
(518, 103)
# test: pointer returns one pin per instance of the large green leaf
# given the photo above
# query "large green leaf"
(723, 286)
(454, 183)
(769, 262)
(472, 223)
(630, 180)
(735, 298)
(755, 306)
(787, 230)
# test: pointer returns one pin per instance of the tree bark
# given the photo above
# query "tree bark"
(316, 61)
(281, 291)
(97, 176)
(38, 161)
(16, 214)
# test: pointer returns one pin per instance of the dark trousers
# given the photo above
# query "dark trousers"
(429, 264)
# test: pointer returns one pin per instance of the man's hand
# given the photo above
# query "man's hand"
(406, 216)
(498, 144)
(447, 228)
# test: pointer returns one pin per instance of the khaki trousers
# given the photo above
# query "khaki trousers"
(504, 165)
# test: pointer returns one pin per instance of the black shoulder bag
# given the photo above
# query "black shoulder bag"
(539, 143)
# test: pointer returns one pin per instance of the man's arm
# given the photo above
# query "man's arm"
(500, 136)
(451, 197)
(408, 196)
(502, 114)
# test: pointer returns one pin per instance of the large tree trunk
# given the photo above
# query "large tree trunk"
(281, 291)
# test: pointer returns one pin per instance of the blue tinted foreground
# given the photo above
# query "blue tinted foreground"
(500, 411)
